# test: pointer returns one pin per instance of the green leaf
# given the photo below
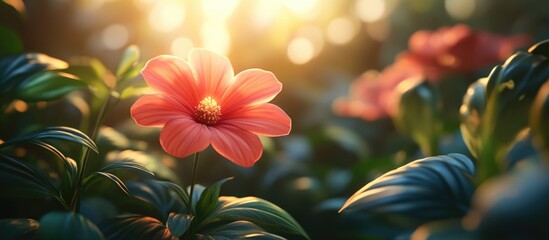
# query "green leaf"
(20, 228)
(539, 117)
(182, 194)
(151, 162)
(237, 230)
(96, 176)
(135, 91)
(67, 225)
(57, 132)
(94, 73)
(179, 223)
(16, 69)
(424, 190)
(126, 165)
(258, 211)
(472, 112)
(22, 180)
(135, 227)
(209, 199)
(48, 86)
(158, 194)
(127, 63)
(11, 43)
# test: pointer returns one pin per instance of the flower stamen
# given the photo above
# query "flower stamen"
(207, 112)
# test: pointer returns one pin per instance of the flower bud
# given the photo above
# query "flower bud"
(418, 113)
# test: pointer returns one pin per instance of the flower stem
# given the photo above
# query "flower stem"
(75, 200)
(195, 170)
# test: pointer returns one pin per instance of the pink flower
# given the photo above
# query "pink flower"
(461, 49)
(431, 56)
(201, 102)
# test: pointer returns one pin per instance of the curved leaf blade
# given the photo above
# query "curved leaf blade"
(428, 189)
(47, 86)
(96, 176)
(156, 194)
(57, 132)
(209, 199)
(22, 180)
(237, 230)
(127, 63)
(67, 225)
(126, 165)
(258, 211)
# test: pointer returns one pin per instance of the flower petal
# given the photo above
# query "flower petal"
(266, 119)
(240, 146)
(172, 76)
(183, 136)
(251, 87)
(214, 73)
(155, 110)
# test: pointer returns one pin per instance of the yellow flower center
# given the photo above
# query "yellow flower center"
(207, 112)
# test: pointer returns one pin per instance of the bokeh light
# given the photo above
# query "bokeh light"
(301, 50)
(167, 15)
(370, 10)
(115, 36)
(181, 46)
(460, 9)
(341, 30)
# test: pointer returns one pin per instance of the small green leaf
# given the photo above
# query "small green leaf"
(20, 228)
(127, 63)
(67, 225)
(209, 199)
(182, 194)
(179, 223)
(135, 227)
(126, 165)
(472, 111)
(261, 212)
(424, 190)
(96, 176)
(48, 86)
(11, 43)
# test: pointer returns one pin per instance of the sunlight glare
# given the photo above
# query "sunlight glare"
(265, 12)
(301, 50)
(370, 10)
(167, 15)
(215, 36)
(302, 8)
(341, 30)
(115, 36)
(181, 47)
(221, 9)
(460, 9)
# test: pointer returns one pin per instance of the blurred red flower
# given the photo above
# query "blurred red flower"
(201, 102)
(431, 56)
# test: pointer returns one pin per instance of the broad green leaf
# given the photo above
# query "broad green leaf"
(424, 190)
(58, 132)
(258, 211)
(237, 230)
(157, 194)
(11, 43)
(472, 112)
(126, 165)
(16, 69)
(19, 228)
(22, 180)
(179, 223)
(94, 73)
(209, 199)
(67, 225)
(127, 63)
(48, 85)
(182, 194)
(96, 176)
(135, 227)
